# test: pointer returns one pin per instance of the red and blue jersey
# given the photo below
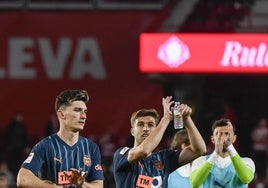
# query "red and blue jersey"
(52, 156)
(151, 172)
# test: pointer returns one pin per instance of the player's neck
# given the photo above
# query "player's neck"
(69, 138)
(224, 154)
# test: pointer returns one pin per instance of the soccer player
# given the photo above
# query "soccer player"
(139, 166)
(181, 176)
(64, 159)
(224, 167)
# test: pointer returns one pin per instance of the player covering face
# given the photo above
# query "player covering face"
(224, 167)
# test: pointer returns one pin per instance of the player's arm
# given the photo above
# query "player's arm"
(244, 171)
(201, 169)
(198, 145)
(26, 179)
(152, 141)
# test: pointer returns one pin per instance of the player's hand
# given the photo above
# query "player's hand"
(227, 141)
(77, 177)
(220, 144)
(166, 103)
(185, 110)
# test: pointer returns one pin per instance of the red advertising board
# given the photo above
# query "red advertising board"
(43, 53)
(203, 53)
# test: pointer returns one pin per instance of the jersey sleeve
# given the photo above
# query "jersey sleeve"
(95, 172)
(197, 163)
(35, 159)
(244, 168)
(120, 159)
(250, 163)
(173, 159)
(200, 170)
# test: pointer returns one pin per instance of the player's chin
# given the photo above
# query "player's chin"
(224, 150)
(143, 138)
(79, 128)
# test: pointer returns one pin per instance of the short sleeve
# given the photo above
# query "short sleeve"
(35, 159)
(197, 163)
(120, 159)
(95, 172)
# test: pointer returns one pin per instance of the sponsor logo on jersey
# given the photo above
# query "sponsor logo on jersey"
(63, 177)
(144, 181)
(123, 151)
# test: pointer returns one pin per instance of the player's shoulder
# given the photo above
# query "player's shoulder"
(122, 150)
(247, 159)
(201, 159)
(51, 140)
(249, 162)
(44, 142)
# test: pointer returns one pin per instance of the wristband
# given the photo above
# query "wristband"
(213, 157)
(231, 150)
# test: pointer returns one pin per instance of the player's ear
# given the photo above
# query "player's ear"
(212, 139)
(60, 114)
(234, 139)
(131, 131)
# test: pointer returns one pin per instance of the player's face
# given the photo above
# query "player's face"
(224, 135)
(142, 128)
(75, 116)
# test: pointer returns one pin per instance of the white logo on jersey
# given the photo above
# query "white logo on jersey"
(29, 158)
(123, 151)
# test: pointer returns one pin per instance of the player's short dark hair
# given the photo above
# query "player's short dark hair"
(221, 123)
(66, 97)
(143, 113)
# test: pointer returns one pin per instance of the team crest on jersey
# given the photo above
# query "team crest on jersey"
(87, 160)
(123, 151)
(158, 165)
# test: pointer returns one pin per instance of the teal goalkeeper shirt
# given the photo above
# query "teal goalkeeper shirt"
(180, 178)
(222, 176)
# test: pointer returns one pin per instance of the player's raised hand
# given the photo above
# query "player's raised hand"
(166, 103)
(185, 110)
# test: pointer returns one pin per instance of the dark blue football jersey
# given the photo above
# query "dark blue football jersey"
(151, 172)
(51, 157)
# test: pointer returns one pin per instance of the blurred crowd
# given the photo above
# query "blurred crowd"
(217, 16)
